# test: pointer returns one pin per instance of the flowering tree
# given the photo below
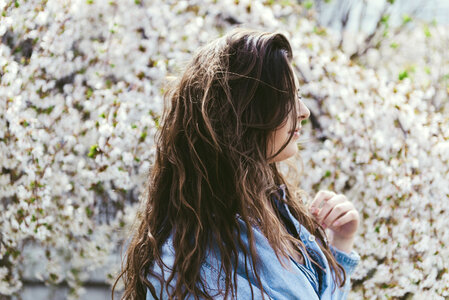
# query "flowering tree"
(80, 100)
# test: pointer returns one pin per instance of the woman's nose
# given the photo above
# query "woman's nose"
(304, 112)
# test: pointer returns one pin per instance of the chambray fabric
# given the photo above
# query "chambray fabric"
(291, 281)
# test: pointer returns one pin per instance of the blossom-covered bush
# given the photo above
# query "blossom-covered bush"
(80, 100)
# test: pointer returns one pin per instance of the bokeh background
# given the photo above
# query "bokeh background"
(81, 96)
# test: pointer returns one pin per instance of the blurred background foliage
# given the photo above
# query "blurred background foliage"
(81, 95)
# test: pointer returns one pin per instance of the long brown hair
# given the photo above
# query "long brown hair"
(211, 165)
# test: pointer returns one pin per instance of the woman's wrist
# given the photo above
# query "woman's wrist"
(343, 244)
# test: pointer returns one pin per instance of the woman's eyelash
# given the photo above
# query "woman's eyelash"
(298, 93)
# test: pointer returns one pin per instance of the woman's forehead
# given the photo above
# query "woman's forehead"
(296, 78)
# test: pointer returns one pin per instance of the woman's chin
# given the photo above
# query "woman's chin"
(288, 152)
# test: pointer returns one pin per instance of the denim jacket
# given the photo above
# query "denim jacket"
(291, 281)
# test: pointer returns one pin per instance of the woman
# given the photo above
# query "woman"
(220, 221)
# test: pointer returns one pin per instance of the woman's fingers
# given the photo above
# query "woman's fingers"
(319, 200)
(337, 211)
(350, 216)
(328, 206)
(338, 214)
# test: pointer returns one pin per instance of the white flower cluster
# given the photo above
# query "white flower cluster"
(419, 54)
(81, 95)
(386, 148)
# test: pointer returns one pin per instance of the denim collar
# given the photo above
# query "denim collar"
(307, 238)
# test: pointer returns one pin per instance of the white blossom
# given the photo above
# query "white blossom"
(79, 115)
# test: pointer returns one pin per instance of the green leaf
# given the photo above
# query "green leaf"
(93, 151)
(403, 75)
(143, 136)
(406, 19)
(319, 30)
(427, 31)
(394, 45)
(308, 4)
(89, 92)
(89, 212)
(53, 276)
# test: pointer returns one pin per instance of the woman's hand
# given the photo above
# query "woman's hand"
(338, 214)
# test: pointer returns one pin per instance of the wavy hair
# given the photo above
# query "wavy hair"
(212, 165)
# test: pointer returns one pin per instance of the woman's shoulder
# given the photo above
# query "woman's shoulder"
(211, 272)
(280, 279)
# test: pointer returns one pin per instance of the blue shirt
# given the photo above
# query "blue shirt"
(291, 281)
